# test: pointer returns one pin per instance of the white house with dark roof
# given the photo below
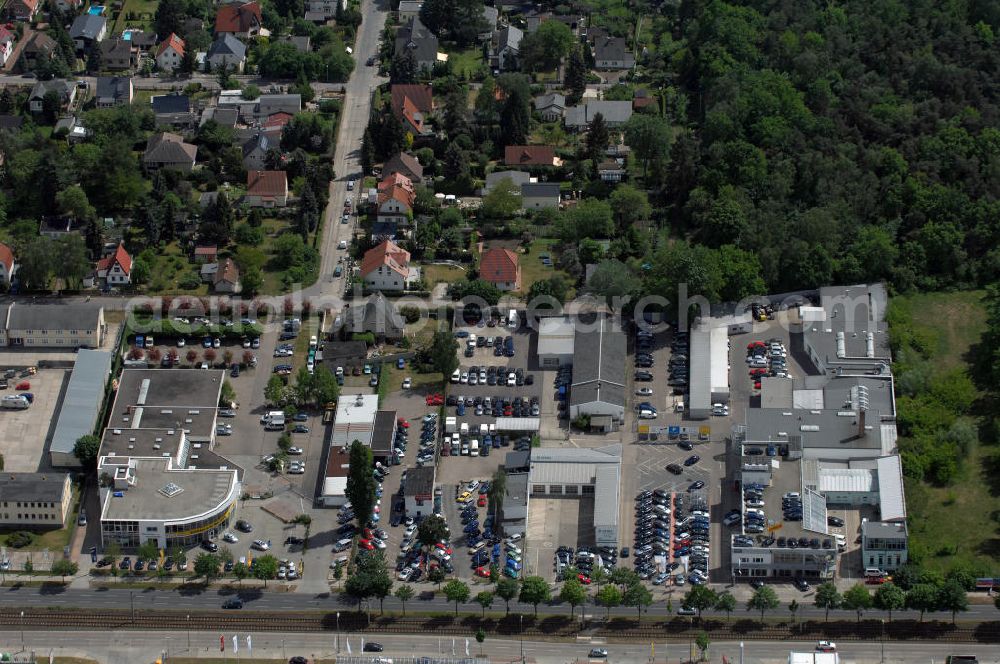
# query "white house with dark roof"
(612, 54)
(227, 51)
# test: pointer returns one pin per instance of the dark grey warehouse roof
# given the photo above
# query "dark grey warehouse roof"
(32, 487)
(54, 316)
(82, 403)
(599, 351)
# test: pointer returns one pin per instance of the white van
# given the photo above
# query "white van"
(474, 448)
(456, 375)
(342, 545)
(474, 549)
(512, 320)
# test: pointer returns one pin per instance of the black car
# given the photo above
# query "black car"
(294, 540)
(691, 460)
(801, 584)
(685, 445)
(696, 485)
(209, 546)
(233, 603)
(835, 521)
(643, 376)
(244, 526)
(371, 646)
(675, 469)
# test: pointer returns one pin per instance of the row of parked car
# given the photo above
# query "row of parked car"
(667, 538)
(767, 359)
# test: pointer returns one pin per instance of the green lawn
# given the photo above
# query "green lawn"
(533, 270)
(436, 274)
(53, 540)
(467, 64)
(965, 514)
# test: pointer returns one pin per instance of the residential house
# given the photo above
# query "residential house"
(505, 46)
(538, 195)
(22, 10)
(411, 103)
(227, 51)
(302, 43)
(530, 155)
(166, 150)
(550, 107)
(274, 125)
(386, 267)
(255, 152)
(206, 253)
(377, 316)
(416, 38)
(616, 113)
(227, 277)
(612, 54)
(267, 189)
(490, 16)
(6, 45)
(395, 199)
(320, 11)
(73, 129)
(406, 164)
(118, 55)
(57, 226)
(224, 117)
(169, 53)
(113, 91)
(502, 268)
(87, 31)
(11, 122)
(116, 269)
(39, 48)
(611, 170)
(268, 105)
(65, 89)
(173, 110)
(409, 10)
(7, 264)
(517, 178)
(144, 41)
(239, 19)
(55, 324)
(68, 6)
(535, 18)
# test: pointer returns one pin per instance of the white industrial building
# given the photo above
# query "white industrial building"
(81, 406)
(555, 342)
(709, 361)
(354, 420)
(582, 473)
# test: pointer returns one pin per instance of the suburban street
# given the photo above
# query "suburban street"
(128, 647)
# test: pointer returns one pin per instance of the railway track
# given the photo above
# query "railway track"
(249, 621)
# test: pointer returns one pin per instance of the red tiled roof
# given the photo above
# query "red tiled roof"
(498, 265)
(206, 250)
(279, 119)
(237, 18)
(267, 183)
(529, 155)
(120, 256)
(7, 257)
(6, 35)
(421, 96)
(413, 117)
(172, 41)
(227, 271)
(396, 186)
(388, 254)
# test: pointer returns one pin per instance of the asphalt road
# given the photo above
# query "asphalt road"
(127, 647)
(271, 601)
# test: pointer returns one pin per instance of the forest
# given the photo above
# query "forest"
(838, 143)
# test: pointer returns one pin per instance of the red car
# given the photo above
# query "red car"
(403, 422)
(23, 385)
(756, 344)
(443, 548)
(366, 544)
(435, 400)
(445, 450)
(758, 371)
(483, 572)
(482, 501)
(756, 385)
(584, 579)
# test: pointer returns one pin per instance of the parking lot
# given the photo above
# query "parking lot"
(26, 433)
(555, 522)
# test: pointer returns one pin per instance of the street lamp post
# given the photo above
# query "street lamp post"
(189, 630)
(131, 599)
(521, 634)
(881, 638)
(338, 632)
(22, 631)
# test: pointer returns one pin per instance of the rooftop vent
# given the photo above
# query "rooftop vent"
(170, 489)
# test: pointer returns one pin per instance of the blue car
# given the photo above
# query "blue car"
(460, 411)
(400, 363)
(513, 564)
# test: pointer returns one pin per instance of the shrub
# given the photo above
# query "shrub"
(20, 539)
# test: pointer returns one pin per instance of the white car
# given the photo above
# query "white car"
(464, 378)
(261, 545)
(826, 646)
(229, 537)
(647, 414)
(511, 380)
(473, 485)
(181, 342)
(407, 383)
(644, 392)
(456, 375)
